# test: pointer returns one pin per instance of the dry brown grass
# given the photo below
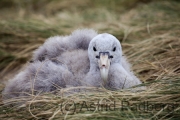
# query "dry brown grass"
(150, 37)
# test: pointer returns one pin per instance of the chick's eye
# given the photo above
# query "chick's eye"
(94, 49)
(114, 49)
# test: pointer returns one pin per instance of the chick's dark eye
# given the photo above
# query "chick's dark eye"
(114, 49)
(94, 49)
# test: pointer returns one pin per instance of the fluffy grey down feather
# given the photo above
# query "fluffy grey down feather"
(64, 61)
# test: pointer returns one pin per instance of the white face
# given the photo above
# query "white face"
(104, 50)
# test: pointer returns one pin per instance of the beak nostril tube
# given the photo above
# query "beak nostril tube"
(104, 53)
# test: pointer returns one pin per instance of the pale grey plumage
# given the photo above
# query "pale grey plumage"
(119, 76)
(70, 61)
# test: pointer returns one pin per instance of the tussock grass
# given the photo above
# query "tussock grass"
(19, 39)
(150, 36)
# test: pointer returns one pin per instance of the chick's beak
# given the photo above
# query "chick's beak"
(104, 64)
